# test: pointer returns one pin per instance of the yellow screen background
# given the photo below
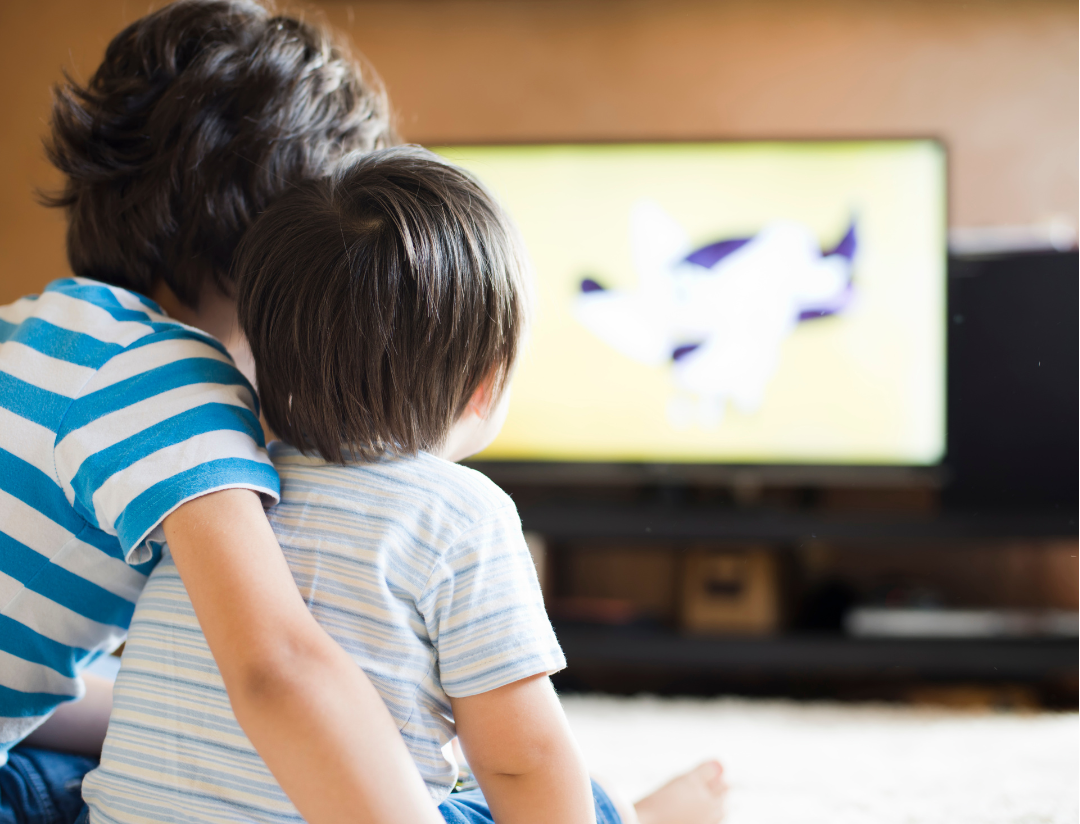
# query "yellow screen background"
(862, 387)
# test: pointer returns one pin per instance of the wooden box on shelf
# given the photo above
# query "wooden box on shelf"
(733, 592)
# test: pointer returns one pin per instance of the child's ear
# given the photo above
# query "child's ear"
(481, 401)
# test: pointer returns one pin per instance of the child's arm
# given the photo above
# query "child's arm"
(523, 755)
(308, 709)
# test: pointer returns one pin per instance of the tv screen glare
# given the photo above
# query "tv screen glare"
(775, 302)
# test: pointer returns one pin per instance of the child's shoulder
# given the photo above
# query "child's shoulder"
(90, 323)
(461, 485)
(445, 495)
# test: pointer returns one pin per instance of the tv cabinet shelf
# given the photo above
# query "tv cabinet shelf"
(589, 520)
(818, 655)
(653, 656)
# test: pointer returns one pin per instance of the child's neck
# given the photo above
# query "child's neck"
(461, 440)
(216, 316)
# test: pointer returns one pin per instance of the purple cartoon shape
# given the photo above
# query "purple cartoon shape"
(839, 301)
(708, 256)
(718, 314)
(590, 285)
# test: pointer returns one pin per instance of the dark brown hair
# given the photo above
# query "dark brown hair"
(200, 114)
(377, 300)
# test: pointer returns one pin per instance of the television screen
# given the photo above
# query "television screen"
(736, 302)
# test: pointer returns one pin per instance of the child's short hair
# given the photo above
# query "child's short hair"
(377, 300)
(200, 114)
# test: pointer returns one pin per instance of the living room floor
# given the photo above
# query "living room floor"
(838, 763)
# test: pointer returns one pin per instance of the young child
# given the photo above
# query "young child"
(120, 426)
(384, 307)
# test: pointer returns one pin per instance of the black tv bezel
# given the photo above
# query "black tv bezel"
(579, 473)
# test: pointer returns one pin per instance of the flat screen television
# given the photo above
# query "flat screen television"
(771, 303)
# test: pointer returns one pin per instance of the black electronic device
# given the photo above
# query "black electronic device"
(1013, 398)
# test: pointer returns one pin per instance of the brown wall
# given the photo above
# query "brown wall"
(997, 80)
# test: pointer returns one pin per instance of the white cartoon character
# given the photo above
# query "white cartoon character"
(720, 313)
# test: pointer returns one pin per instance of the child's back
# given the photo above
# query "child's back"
(414, 565)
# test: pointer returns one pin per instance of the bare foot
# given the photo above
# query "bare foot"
(696, 797)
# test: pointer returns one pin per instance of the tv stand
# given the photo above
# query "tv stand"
(656, 654)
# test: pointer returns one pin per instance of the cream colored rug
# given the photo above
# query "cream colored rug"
(804, 763)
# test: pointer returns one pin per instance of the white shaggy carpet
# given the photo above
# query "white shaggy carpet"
(805, 763)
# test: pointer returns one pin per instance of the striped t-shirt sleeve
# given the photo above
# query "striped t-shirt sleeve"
(484, 610)
(166, 420)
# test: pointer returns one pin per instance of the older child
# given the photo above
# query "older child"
(120, 426)
(384, 307)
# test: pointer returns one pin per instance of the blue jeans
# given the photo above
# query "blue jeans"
(42, 787)
(470, 807)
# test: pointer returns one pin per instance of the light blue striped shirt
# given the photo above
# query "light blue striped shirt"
(111, 416)
(416, 566)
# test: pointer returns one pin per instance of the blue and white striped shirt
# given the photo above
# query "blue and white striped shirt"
(111, 416)
(416, 566)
